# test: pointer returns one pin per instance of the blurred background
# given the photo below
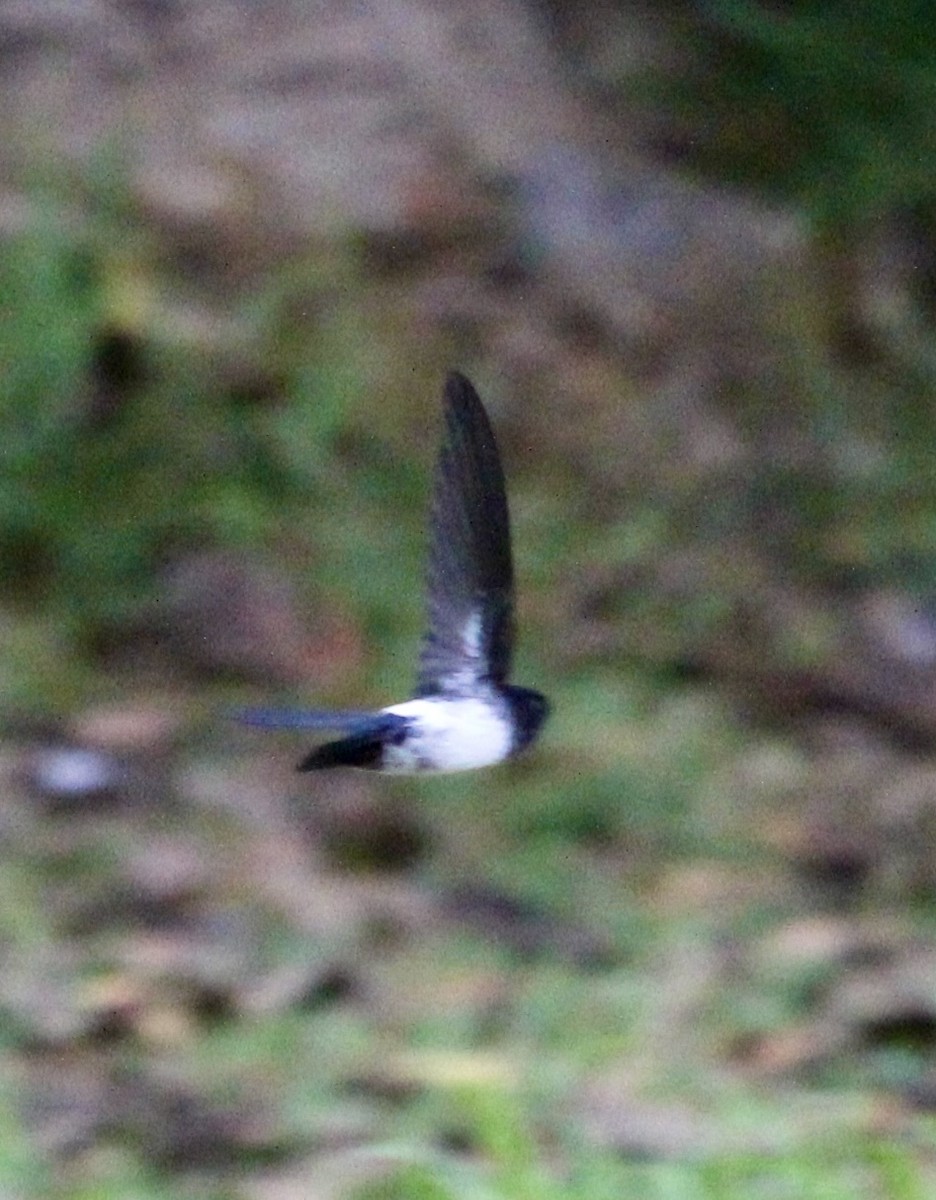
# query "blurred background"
(687, 253)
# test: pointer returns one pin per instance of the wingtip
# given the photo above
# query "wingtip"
(459, 390)
(464, 406)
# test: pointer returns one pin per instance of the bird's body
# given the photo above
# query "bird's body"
(433, 733)
(464, 714)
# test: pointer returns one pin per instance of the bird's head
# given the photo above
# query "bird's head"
(529, 710)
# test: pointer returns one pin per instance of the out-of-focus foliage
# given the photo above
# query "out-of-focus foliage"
(827, 108)
(124, 442)
(829, 105)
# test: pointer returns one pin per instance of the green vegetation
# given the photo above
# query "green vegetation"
(827, 105)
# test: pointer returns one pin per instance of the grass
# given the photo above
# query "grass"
(838, 1167)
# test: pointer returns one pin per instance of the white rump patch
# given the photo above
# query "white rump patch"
(451, 734)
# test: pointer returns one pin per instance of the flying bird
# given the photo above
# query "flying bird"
(463, 714)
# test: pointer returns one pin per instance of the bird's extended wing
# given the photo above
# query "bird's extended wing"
(469, 580)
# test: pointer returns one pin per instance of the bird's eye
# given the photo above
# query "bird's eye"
(399, 737)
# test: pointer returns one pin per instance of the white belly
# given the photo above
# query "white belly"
(449, 735)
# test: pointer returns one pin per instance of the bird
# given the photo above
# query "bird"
(463, 713)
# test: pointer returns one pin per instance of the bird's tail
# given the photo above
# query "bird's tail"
(300, 718)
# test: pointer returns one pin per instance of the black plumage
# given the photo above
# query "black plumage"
(469, 578)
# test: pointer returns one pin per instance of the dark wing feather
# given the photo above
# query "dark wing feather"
(470, 574)
(364, 748)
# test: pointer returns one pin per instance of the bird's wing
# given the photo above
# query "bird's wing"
(346, 721)
(364, 747)
(469, 580)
